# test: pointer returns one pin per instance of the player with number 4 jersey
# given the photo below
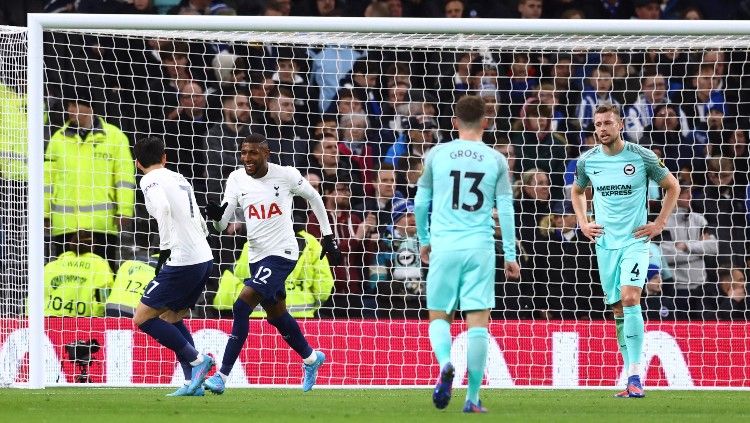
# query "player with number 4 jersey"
(184, 265)
(619, 173)
(264, 192)
(463, 181)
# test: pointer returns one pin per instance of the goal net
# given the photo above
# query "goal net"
(356, 112)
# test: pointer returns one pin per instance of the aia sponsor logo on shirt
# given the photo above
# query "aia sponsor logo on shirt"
(264, 212)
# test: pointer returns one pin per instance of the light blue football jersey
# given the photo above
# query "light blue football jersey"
(620, 184)
(465, 180)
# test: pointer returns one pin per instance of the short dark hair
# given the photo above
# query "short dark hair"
(149, 151)
(606, 108)
(254, 138)
(470, 109)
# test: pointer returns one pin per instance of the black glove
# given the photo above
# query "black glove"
(214, 211)
(332, 248)
(163, 257)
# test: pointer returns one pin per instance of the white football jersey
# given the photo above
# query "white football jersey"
(171, 201)
(266, 205)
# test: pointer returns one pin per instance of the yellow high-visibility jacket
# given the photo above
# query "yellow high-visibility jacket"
(130, 282)
(88, 182)
(13, 135)
(76, 285)
(307, 287)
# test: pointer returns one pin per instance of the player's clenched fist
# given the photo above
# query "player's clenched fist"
(214, 211)
(332, 249)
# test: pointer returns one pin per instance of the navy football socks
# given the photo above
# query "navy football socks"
(187, 369)
(290, 331)
(240, 327)
(169, 336)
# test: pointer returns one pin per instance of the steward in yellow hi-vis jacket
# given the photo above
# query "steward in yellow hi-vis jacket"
(130, 282)
(89, 174)
(76, 284)
(13, 135)
(307, 287)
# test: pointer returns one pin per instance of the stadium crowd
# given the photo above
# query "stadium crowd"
(358, 121)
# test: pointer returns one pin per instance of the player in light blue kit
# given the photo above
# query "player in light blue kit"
(618, 172)
(463, 181)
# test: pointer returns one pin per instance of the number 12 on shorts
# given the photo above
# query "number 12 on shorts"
(262, 275)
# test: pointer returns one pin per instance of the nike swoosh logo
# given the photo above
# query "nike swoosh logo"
(631, 336)
(597, 172)
(634, 279)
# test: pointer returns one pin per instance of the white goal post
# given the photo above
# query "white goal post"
(476, 35)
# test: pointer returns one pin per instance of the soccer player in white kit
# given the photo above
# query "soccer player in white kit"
(185, 262)
(264, 191)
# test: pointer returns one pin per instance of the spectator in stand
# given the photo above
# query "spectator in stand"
(291, 74)
(261, 86)
(625, 76)
(734, 303)
(348, 101)
(705, 95)
(417, 140)
(327, 162)
(222, 141)
(355, 243)
(530, 9)
(531, 206)
(454, 8)
(509, 151)
(665, 135)
(328, 126)
(77, 282)
(201, 7)
(395, 106)
(407, 174)
(381, 202)
(538, 148)
(641, 113)
(523, 81)
(560, 71)
(735, 145)
(688, 242)
(221, 159)
(692, 13)
(364, 80)
(286, 139)
(659, 288)
(353, 142)
(186, 128)
(277, 8)
(724, 206)
(597, 91)
(89, 179)
(377, 9)
(647, 9)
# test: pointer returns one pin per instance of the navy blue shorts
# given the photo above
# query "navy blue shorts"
(177, 287)
(269, 278)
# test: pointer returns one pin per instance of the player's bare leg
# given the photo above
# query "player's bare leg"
(440, 340)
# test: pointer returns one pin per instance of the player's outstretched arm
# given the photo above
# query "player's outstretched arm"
(651, 229)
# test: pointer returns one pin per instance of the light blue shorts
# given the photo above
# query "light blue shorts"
(622, 266)
(461, 280)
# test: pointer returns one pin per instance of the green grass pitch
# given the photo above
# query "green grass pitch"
(108, 405)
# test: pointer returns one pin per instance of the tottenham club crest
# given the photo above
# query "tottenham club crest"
(629, 169)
